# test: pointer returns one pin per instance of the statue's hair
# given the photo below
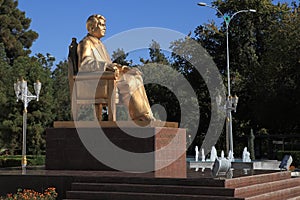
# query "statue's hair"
(92, 22)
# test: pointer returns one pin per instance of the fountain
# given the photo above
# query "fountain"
(204, 163)
(222, 154)
(230, 156)
(202, 155)
(196, 154)
(213, 154)
(246, 155)
(245, 163)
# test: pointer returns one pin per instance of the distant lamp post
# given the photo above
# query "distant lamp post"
(231, 102)
(23, 94)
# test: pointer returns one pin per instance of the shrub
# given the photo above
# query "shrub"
(15, 160)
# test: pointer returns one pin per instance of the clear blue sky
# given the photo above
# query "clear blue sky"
(57, 21)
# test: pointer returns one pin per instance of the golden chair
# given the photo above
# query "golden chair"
(98, 88)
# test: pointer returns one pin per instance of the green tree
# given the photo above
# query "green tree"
(15, 41)
(157, 77)
(194, 62)
(62, 101)
(119, 56)
(281, 59)
(156, 54)
(4, 69)
(40, 114)
(158, 69)
(15, 33)
(264, 62)
(4, 94)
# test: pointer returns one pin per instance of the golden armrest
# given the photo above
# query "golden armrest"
(106, 75)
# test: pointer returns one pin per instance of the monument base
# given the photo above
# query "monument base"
(131, 149)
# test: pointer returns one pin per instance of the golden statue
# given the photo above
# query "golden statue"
(93, 56)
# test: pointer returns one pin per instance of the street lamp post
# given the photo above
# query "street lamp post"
(23, 94)
(231, 102)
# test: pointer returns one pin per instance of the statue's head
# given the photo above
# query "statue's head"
(95, 25)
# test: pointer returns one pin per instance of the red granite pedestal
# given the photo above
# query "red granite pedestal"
(164, 149)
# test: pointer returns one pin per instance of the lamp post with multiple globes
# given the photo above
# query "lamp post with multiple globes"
(231, 101)
(23, 94)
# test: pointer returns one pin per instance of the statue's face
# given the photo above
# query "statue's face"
(100, 30)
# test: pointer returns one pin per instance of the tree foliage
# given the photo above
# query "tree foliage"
(264, 62)
(15, 33)
(15, 41)
(119, 56)
(61, 92)
(39, 115)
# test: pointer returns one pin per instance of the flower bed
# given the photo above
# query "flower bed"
(26, 194)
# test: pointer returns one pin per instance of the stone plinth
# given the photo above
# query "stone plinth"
(131, 149)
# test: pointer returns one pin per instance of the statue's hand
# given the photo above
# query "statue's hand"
(114, 68)
(122, 69)
(133, 71)
(125, 69)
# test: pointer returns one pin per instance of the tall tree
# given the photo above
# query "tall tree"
(40, 114)
(15, 41)
(157, 73)
(194, 62)
(156, 54)
(62, 101)
(4, 69)
(14, 30)
(119, 56)
(282, 61)
(264, 62)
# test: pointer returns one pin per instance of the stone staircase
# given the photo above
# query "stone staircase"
(115, 188)
(272, 186)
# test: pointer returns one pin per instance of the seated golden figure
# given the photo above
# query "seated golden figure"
(93, 57)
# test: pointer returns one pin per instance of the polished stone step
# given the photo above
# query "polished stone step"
(207, 182)
(268, 186)
(295, 198)
(93, 195)
(257, 179)
(278, 195)
(142, 188)
(263, 188)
